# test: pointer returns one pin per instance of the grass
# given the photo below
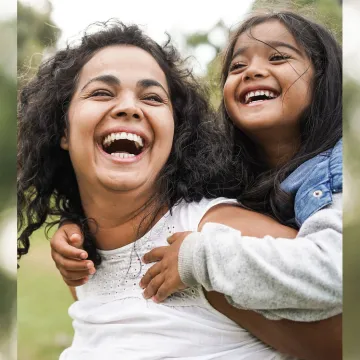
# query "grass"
(44, 326)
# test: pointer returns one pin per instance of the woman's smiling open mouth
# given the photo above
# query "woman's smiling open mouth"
(123, 145)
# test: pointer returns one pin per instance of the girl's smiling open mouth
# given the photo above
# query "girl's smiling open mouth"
(257, 96)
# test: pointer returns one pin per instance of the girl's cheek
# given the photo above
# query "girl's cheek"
(226, 91)
(230, 87)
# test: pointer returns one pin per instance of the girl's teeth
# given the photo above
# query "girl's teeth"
(267, 93)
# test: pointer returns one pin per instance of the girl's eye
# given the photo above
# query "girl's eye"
(279, 57)
(236, 66)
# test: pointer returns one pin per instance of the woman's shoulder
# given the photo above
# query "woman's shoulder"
(249, 222)
(188, 215)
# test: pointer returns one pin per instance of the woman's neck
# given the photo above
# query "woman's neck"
(120, 219)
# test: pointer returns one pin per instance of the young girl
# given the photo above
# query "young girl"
(282, 92)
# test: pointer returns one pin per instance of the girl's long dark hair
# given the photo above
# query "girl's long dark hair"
(198, 165)
(321, 123)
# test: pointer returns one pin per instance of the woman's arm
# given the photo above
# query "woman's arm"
(297, 280)
(305, 340)
(320, 340)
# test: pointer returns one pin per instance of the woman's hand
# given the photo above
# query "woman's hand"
(69, 257)
(163, 278)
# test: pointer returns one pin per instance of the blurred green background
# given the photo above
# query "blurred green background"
(44, 327)
(7, 181)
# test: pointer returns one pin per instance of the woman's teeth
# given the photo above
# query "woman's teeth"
(122, 155)
(138, 140)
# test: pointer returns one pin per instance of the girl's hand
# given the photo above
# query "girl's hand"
(69, 257)
(163, 278)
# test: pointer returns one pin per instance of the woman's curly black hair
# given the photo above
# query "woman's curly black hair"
(321, 122)
(198, 165)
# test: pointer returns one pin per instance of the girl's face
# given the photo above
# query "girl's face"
(269, 82)
(121, 122)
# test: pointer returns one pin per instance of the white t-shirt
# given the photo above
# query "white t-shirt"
(113, 321)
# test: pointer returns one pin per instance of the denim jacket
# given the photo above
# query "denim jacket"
(314, 182)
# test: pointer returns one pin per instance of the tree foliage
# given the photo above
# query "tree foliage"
(326, 12)
(31, 44)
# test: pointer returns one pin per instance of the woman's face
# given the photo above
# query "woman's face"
(121, 122)
(269, 82)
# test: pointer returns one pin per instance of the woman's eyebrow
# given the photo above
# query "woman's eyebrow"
(108, 79)
(113, 80)
(272, 44)
(145, 83)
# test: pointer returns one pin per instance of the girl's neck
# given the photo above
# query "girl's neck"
(120, 219)
(277, 150)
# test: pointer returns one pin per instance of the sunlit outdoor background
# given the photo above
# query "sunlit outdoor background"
(351, 112)
(199, 30)
(7, 180)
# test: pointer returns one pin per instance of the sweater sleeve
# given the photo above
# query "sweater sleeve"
(297, 279)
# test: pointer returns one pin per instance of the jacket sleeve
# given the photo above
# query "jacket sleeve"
(297, 279)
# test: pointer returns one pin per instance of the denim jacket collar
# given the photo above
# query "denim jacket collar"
(313, 183)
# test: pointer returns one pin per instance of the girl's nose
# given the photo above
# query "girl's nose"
(256, 70)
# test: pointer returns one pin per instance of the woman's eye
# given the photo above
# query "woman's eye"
(100, 93)
(153, 98)
(279, 57)
(236, 66)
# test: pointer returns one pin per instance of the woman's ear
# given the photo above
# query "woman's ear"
(64, 141)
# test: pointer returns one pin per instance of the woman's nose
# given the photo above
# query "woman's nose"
(128, 108)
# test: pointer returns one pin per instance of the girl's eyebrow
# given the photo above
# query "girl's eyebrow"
(272, 44)
(113, 80)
